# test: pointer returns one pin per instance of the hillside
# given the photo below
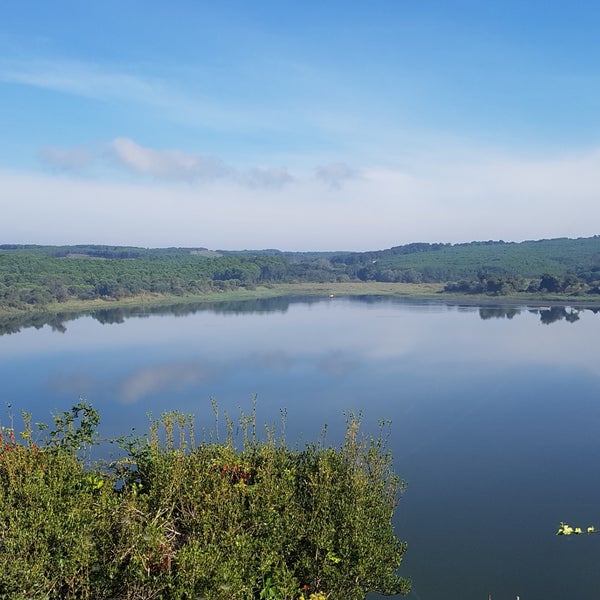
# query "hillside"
(34, 276)
(450, 262)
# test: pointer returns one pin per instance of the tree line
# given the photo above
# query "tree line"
(501, 285)
(34, 276)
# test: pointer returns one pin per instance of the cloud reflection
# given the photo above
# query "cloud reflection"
(337, 363)
(151, 380)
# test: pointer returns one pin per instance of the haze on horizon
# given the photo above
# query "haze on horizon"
(298, 126)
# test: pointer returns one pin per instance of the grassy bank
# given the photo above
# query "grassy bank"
(242, 293)
(423, 291)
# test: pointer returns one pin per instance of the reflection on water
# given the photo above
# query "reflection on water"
(111, 316)
(495, 417)
(548, 314)
(498, 312)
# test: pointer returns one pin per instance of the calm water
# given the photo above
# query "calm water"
(496, 414)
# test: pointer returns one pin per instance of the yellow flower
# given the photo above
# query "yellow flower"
(564, 529)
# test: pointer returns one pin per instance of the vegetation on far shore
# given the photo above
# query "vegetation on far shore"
(72, 278)
(243, 518)
(258, 292)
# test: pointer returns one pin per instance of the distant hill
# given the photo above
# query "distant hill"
(33, 276)
(437, 262)
(449, 262)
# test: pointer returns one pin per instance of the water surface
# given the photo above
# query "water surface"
(495, 413)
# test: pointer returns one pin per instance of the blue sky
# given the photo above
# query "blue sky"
(298, 125)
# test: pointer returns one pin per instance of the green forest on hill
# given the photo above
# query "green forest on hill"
(33, 276)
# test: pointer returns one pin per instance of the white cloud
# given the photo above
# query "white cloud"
(168, 164)
(184, 166)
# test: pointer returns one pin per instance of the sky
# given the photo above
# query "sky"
(313, 125)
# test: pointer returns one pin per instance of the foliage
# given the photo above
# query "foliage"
(173, 519)
(456, 262)
(493, 285)
(31, 277)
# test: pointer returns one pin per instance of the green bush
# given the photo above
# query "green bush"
(177, 520)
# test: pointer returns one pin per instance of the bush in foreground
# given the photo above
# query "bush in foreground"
(176, 520)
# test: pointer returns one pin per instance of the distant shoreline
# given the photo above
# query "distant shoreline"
(417, 291)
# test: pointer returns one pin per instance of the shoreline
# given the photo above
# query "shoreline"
(416, 291)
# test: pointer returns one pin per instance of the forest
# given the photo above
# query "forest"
(33, 276)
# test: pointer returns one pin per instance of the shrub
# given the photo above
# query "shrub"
(176, 520)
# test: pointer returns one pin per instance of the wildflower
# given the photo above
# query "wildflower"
(564, 529)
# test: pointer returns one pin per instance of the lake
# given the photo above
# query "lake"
(495, 413)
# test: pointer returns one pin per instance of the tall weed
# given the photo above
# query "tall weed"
(177, 520)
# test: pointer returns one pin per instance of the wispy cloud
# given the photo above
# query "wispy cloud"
(335, 174)
(185, 166)
(167, 164)
(84, 79)
(171, 97)
(300, 125)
